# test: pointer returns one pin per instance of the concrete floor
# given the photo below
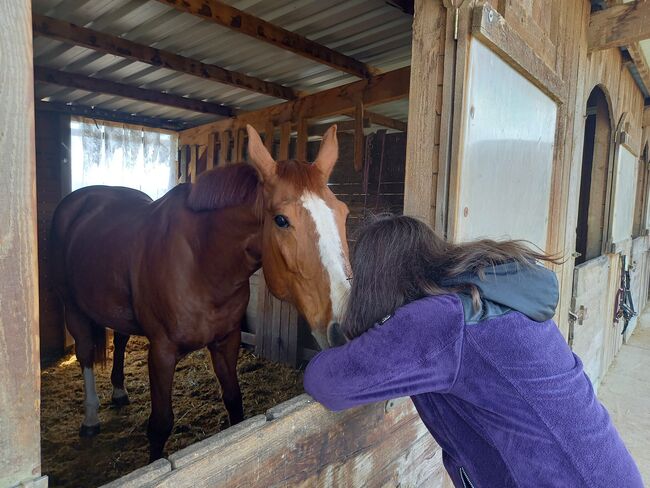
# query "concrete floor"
(625, 391)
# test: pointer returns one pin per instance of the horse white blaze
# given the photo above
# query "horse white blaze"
(330, 249)
(91, 400)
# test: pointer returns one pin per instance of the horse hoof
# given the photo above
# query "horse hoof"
(88, 430)
(121, 401)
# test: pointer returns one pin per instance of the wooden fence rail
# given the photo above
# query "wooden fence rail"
(300, 443)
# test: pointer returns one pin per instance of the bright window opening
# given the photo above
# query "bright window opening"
(106, 153)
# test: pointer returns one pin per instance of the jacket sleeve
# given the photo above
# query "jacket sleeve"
(416, 351)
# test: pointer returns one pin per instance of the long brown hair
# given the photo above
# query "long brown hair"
(399, 259)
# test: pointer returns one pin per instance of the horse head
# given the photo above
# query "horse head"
(304, 245)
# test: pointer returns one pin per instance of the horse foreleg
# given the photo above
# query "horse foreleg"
(120, 396)
(162, 363)
(224, 360)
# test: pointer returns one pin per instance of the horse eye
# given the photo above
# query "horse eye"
(281, 221)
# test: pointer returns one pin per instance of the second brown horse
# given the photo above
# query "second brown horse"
(176, 270)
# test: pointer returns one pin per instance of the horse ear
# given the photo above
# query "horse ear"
(328, 152)
(259, 155)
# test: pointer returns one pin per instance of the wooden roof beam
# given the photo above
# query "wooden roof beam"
(619, 25)
(244, 23)
(110, 115)
(369, 119)
(386, 87)
(384, 121)
(81, 82)
(106, 43)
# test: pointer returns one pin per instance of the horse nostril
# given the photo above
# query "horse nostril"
(335, 335)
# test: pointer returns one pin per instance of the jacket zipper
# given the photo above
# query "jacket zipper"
(465, 479)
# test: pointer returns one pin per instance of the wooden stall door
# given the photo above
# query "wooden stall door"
(639, 277)
(587, 334)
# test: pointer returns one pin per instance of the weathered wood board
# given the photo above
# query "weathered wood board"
(19, 356)
(300, 443)
(591, 288)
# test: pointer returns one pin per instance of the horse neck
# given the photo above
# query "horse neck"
(233, 242)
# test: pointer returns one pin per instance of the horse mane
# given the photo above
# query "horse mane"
(225, 187)
(300, 175)
(239, 184)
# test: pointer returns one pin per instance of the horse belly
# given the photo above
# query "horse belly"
(98, 280)
(208, 323)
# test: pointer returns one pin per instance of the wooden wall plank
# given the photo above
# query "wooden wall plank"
(19, 349)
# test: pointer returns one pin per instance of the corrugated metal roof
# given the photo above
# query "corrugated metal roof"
(371, 31)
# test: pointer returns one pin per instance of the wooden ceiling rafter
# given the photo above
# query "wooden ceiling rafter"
(97, 85)
(245, 23)
(641, 64)
(110, 115)
(118, 46)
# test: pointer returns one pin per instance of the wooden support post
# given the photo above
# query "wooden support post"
(224, 150)
(240, 139)
(191, 169)
(269, 134)
(212, 142)
(359, 146)
(19, 348)
(285, 141)
(301, 141)
(421, 150)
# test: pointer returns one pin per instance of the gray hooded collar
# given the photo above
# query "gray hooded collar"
(531, 290)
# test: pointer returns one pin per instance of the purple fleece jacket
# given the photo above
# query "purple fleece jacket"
(505, 398)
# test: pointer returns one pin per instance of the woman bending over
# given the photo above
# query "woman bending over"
(465, 330)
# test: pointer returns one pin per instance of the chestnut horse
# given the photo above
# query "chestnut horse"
(176, 269)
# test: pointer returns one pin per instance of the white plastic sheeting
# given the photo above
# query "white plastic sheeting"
(506, 153)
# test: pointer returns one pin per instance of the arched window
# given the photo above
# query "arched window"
(590, 230)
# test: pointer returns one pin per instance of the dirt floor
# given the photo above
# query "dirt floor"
(122, 444)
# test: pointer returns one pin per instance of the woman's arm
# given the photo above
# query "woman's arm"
(415, 351)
